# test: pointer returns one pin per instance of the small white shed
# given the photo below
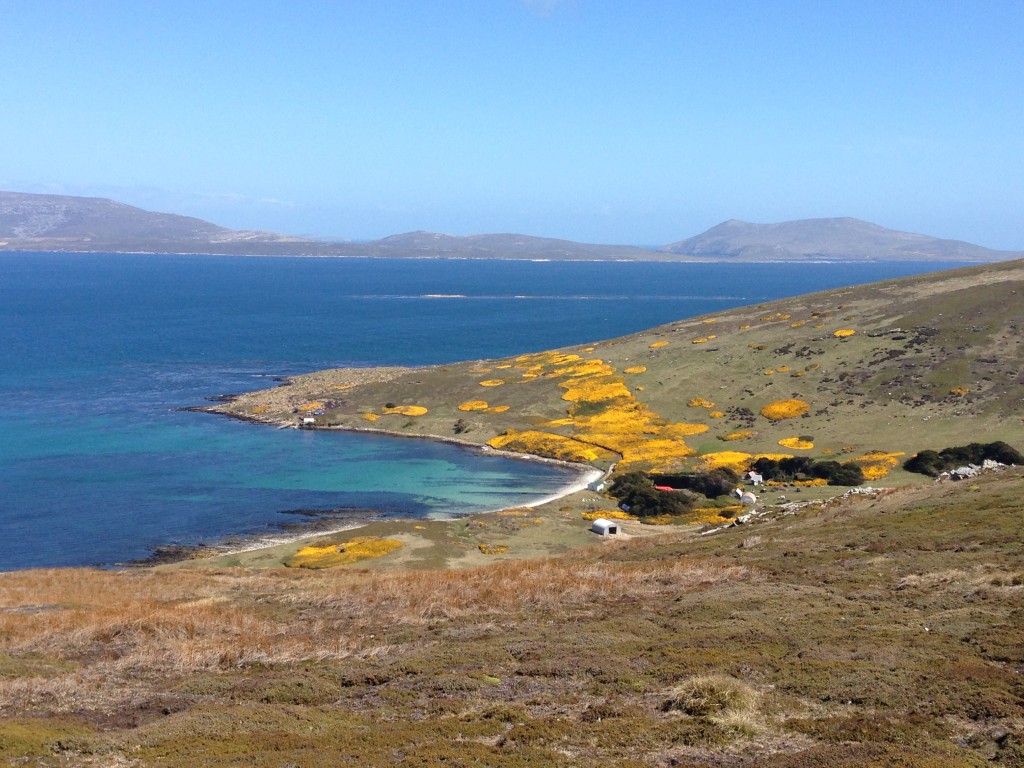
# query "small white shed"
(308, 421)
(604, 527)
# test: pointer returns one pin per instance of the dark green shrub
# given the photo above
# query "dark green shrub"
(924, 463)
(716, 482)
(928, 462)
(795, 466)
(1003, 453)
(838, 474)
(804, 468)
(769, 469)
(636, 491)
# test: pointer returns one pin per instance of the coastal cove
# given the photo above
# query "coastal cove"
(99, 353)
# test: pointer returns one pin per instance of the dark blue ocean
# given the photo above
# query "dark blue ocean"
(99, 352)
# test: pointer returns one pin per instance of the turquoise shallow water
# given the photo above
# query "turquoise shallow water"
(98, 353)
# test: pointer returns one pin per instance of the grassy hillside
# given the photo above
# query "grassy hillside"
(875, 629)
(871, 631)
(870, 374)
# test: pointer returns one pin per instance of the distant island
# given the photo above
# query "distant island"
(32, 222)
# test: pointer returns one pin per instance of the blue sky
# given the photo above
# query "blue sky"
(627, 122)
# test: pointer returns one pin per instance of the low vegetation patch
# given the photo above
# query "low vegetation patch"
(931, 463)
(790, 408)
(404, 410)
(711, 484)
(333, 555)
(796, 443)
(638, 496)
(803, 468)
(712, 696)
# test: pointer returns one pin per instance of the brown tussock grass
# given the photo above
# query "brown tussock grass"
(142, 622)
(712, 695)
(178, 621)
(125, 631)
(536, 585)
(974, 581)
(721, 699)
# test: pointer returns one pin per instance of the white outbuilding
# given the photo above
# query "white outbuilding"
(754, 478)
(604, 527)
(748, 498)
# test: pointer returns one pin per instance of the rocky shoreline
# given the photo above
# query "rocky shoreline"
(317, 522)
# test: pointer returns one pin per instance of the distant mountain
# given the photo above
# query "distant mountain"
(65, 222)
(503, 246)
(31, 222)
(841, 239)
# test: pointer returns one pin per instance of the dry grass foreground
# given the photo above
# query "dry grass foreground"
(870, 631)
(882, 370)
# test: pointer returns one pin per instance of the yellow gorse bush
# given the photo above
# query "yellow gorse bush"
(311, 406)
(659, 344)
(492, 549)
(785, 409)
(609, 514)
(796, 444)
(739, 434)
(681, 429)
(842, 333)
(773, 456)
(405, 410)
(700, 402)
(595, 390)
(551, 445)
(604, 416)
(492, 382)
(737, 461)
(709, 515)
(734, 460)
(635, 369)
(474, 405)
(875, 471)
(332, 555)
(877, 464)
